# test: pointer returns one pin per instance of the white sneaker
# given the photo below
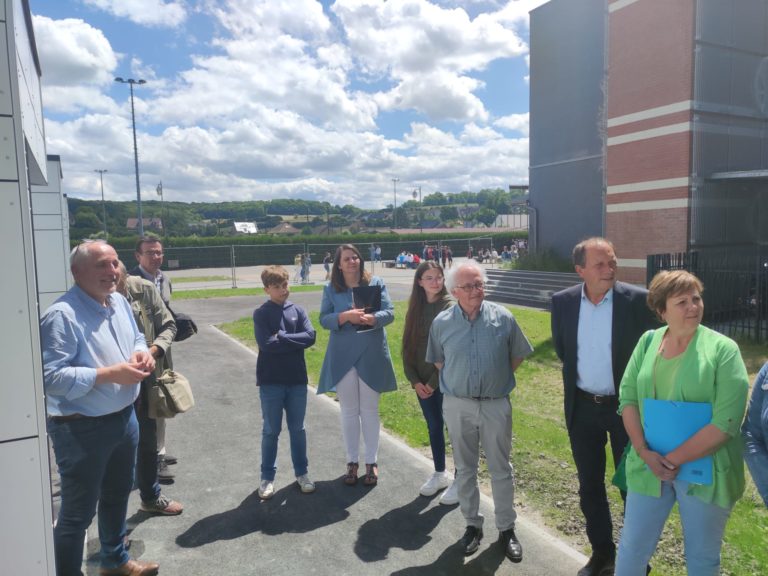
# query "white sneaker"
(266, 490)
(306, 485)
(435, 483)
(450, 496)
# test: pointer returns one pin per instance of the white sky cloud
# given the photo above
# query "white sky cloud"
(288, 100)
(145, 12)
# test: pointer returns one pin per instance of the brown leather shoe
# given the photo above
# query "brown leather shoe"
(132, 568)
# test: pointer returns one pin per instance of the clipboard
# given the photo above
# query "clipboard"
(369, 299)
(668, 424)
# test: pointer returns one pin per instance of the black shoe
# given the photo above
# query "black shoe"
(512, 547)
(598, 565)
(164, 475)
(169, 459)
(470, 542)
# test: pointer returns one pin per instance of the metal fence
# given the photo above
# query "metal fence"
(232, 257)
(736, 287)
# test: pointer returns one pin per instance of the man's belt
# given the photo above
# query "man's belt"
(597, 398)
(76, 416)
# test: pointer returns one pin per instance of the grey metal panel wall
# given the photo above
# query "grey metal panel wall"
(571, 196)
(731, 123)
(567, 114)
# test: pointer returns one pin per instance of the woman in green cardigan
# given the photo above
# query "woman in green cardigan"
(684, 362)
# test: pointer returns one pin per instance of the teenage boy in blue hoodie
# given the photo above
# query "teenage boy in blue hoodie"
(283, 331)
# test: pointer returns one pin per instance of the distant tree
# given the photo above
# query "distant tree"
(486, 216)
(449, 213)
(434, 199)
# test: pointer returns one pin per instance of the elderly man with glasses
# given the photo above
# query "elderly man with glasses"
(477, 346)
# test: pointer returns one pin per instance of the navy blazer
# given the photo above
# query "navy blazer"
(631, 318)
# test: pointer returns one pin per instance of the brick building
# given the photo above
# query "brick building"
(669, 101)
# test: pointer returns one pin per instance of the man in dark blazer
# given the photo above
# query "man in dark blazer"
(595, 327)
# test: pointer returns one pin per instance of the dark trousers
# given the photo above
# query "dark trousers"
(432, 408)
(146, 457)
(593, 425)
(96, 458)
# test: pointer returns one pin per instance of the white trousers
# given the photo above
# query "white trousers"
(359, 411)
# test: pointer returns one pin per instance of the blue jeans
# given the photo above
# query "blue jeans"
(645, 516)
(274, 399)
(432, 408)
(96, 459)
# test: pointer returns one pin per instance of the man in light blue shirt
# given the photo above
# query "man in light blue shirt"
(94, 358)
(477, 346)
(595, 327)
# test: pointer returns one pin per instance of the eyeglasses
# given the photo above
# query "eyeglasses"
(153, 252)
(469, 287)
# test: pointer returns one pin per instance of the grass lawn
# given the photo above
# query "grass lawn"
(544, 470)
(224, 292)
(188, 279)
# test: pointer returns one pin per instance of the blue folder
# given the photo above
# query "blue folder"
(668, 424)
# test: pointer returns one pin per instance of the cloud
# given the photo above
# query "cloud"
(73, 52)
(514, 122)
(144, 12)
(285, 99)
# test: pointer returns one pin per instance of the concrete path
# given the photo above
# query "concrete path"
(225, 528)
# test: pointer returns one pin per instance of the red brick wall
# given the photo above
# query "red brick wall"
(651, 64)
(650, 55)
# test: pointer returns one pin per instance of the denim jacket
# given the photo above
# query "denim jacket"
(755, 432)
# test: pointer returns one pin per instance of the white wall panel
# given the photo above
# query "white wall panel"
(22, 498)
(17, 394)
(51, 269)
(46, 202)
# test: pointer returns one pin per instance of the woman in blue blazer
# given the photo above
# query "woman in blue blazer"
(357, 364)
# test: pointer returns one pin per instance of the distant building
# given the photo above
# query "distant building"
(285, 229)
(245, 227)
(512, 221)
(149, 223)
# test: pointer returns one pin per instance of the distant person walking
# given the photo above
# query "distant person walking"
(357, 364)
(327, 261)
(297, 268)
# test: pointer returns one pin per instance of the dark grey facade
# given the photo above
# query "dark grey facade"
(730, 136)
(568, 71)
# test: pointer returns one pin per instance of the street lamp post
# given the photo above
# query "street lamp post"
(421, 223)
(159, 191)
(103, 205)
(394, 206)
(131, 82)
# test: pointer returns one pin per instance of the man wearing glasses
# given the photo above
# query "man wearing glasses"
(477, 346)
(149, 255)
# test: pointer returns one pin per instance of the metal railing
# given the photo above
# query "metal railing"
(735, 287)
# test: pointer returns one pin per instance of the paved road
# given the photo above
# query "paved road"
(227, 530)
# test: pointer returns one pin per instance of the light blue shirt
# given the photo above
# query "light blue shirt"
(594, 356)
(79, 335)
(476, 355)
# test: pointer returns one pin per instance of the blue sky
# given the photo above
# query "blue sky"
(256, 99)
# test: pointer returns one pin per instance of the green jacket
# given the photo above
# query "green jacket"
(153, 319)
(713, 371)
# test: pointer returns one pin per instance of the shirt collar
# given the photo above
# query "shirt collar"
(93, 304)
(607, 299)
(148, 273)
